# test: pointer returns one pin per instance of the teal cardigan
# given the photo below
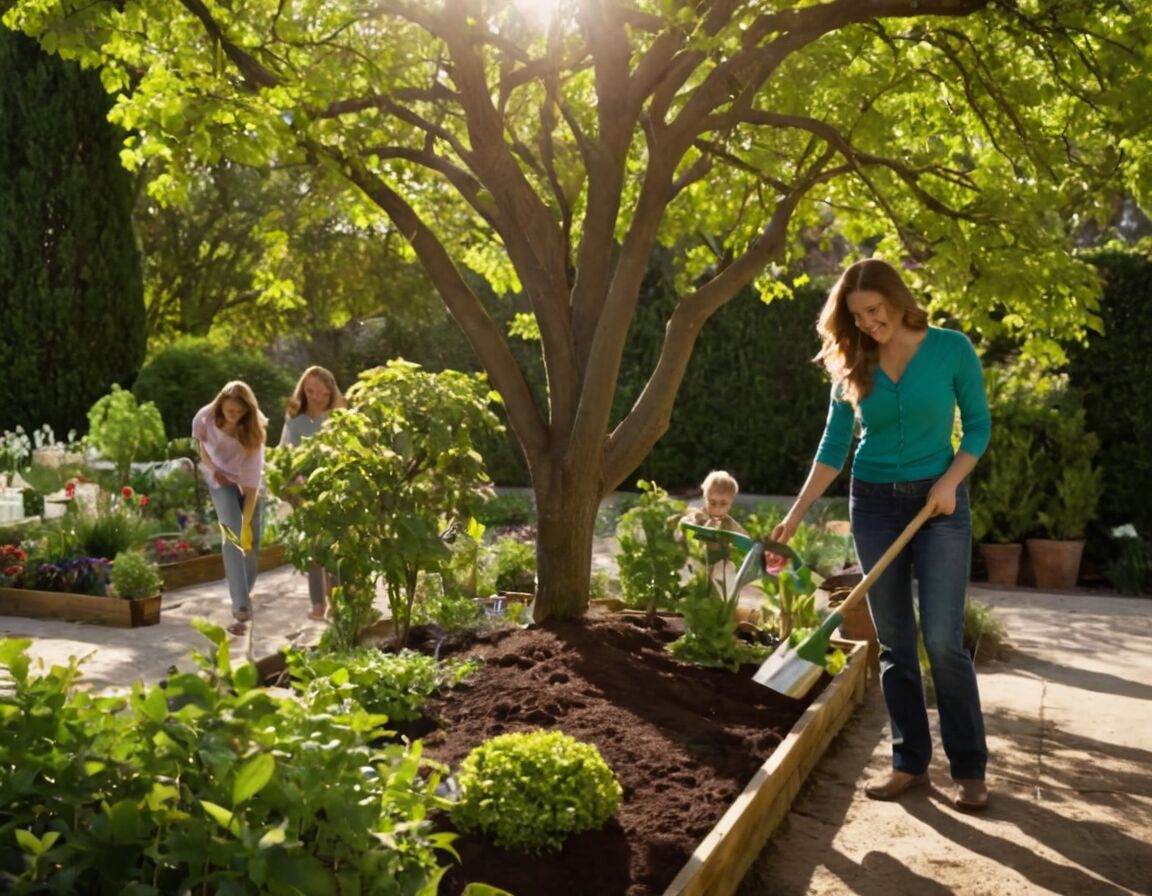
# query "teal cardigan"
(906, 427)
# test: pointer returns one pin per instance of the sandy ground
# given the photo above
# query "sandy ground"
(1069, 717)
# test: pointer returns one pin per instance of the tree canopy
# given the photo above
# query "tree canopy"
(552, 146)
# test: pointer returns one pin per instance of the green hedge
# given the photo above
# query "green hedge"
(752, 401)
(1113, 370)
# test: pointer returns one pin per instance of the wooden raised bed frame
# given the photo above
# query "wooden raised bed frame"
(722, 859)
(210, 567)
(114, 611)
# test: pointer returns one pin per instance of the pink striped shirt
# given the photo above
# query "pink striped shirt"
(226, 453)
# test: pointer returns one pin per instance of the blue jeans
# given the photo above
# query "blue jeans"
(239, 568)
(940, 554)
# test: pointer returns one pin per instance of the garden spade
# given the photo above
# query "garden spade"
(792, 671)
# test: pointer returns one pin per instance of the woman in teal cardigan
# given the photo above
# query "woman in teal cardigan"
(901, 381)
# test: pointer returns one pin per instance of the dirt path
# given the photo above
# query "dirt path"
(1069, 716)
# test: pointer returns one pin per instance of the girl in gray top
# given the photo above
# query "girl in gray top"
(315, 395)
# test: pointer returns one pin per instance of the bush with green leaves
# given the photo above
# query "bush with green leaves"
(124, 431)
(135, 576)
(507, 509)
(387, 473)
(395, 685)
(205, 783)
(513, 565)
(983, 632)
(530, 791)
(651, 552)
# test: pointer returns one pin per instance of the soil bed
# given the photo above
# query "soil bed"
(683, 740)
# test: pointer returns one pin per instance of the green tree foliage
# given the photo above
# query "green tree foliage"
(252, 256)
(69, 265)
(551, 153)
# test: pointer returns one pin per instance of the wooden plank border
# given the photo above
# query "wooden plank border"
(720, 862)
(210, 568)
(113, 611)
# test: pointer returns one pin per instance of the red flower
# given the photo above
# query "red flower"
(70, 490)
(143, 501)
(13, 570)
(127, 491)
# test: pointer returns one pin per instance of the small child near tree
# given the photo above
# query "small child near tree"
(720, 489)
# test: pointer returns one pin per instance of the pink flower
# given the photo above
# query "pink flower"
(143, 501)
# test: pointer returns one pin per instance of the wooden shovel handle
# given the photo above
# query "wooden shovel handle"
(857, 594)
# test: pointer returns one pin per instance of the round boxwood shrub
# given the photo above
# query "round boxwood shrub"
(134, 576)
(529, 791)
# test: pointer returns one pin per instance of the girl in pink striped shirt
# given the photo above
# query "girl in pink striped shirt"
(231, 432)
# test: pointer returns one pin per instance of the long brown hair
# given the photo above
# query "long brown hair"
(298, 403)
(848, 354)
(252, 430)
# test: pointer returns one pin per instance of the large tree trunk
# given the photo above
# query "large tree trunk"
(566, 521)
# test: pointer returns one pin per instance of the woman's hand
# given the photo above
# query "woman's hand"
(783, 531)
(942, 498)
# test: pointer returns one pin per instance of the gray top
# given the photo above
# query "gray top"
(300, 427)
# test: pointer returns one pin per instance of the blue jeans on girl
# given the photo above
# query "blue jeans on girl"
(939, 557)
(239, 568)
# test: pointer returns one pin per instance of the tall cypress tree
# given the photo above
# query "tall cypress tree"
(71, 291)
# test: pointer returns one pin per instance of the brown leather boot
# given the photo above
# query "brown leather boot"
(971, 795)
(894, 784)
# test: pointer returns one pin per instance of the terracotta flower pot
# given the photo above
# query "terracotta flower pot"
(1055, 564)
(1002, 562)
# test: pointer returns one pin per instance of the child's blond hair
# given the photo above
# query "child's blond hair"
(720, 481)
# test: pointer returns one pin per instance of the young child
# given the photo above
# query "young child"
(720, 490)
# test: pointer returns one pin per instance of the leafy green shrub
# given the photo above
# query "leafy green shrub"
(507, 509)
(761, 350)
(395, 685)
(513, 565)
(451, 612)
(1116, 393)
(135, 576)
(205, 783)
(651, 555)
(530, 791)
(124, 431)
(384, 473)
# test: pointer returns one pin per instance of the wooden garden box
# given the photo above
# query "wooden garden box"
(112, 611)
(210, 567)
(723, 857)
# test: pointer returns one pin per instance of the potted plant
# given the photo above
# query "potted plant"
(1072, 487)
(1005, 503)
(134, 576)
